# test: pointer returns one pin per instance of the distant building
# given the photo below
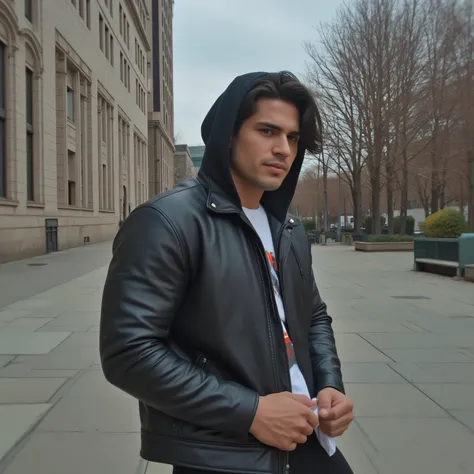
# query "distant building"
(160, 97)
(197, 154)
(73, 121)
(183, 165)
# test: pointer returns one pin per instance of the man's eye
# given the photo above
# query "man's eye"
(267, 131)
(293, 138)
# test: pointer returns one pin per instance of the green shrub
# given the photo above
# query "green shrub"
(368, 224)
(410, 225)
(390, 238)
(444, 224)
(309, 225)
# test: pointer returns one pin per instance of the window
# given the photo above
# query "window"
(29, 10)
(88, 14)
(3, 158)
(111, 59)
(101, 33)
(30, 178)
(121, 66)
(70, 104)
(71, 191)
(121, 19)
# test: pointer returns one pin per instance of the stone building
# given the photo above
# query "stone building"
(183, 164)
(160, 97)
(73, 121)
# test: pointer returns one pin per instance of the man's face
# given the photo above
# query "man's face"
(266, 145)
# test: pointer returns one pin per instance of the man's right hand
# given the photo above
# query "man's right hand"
(284, 420)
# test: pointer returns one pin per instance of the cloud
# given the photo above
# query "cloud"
(216, 40)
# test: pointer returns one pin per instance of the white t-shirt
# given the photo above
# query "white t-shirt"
(259, 219)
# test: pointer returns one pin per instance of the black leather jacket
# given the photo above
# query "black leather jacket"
(190, 327)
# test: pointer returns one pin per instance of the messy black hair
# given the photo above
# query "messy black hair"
(285, 86)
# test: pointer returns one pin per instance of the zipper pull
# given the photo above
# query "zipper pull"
(287, 468)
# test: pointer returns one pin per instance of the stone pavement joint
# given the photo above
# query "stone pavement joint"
(408, 364)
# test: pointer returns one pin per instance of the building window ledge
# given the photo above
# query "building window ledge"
(107, 211)
(8, 202)
(72, 208)
(38, 205)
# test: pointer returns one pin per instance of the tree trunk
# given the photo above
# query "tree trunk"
(404, 194)
(356, 192)
(391, 224)
(375, 185)
(325, 184)
(470, 194)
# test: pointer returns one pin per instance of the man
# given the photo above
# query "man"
(211, 317)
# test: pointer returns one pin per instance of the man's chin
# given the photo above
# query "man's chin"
(271, 185)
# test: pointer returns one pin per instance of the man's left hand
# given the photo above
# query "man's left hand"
(335, 412)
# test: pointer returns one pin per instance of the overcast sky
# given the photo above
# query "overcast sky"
(216, 40)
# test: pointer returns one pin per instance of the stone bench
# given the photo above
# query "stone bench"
(469, 272)
(444, 256)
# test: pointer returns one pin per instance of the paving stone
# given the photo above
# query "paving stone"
(30, 343)
(443, 372)
(8, 314)
(15, 421)
(387, 400)
(368, 326)
(356, 449)
(370, 372)
(410, 445)
(28, 390)
(24, 325)
(22, 371)
(428, 355)
(78, 453)
(465, 417)
(70, 358)
(93, 414)
(82, 339)
(92, 383)
(352, 348)
(420, 340)
(156, 468)
(4, 360)
(450, 396)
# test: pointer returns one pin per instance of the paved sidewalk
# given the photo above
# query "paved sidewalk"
(406, 340)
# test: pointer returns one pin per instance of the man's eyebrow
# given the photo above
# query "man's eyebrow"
(272, 126)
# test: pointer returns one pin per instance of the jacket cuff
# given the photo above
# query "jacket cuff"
(326, 380)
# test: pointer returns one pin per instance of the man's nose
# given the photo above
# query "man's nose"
(282, 147)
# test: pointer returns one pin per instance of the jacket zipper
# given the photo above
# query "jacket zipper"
(286, 460)
(285, 465)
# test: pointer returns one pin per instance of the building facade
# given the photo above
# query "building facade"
(197, 155)
(160, 98)
(183, 164)
(73, 121)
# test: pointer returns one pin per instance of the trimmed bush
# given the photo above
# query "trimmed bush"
(444, 224)
(410, 225)
(368, 223)
(309, 225)
(390, 238)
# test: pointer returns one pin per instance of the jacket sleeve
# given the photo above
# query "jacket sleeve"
(324, 358)
(145, 284)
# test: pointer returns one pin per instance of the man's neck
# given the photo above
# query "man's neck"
(249, 196)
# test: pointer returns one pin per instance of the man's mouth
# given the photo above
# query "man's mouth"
(277, 168)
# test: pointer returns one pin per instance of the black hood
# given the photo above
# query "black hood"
(217, 130)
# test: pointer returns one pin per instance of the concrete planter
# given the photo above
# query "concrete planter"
(469, 272)
(383, 246)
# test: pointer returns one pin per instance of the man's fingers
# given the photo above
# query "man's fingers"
(302, 399)
(336, 427)
(341, 409)
(312, 419)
